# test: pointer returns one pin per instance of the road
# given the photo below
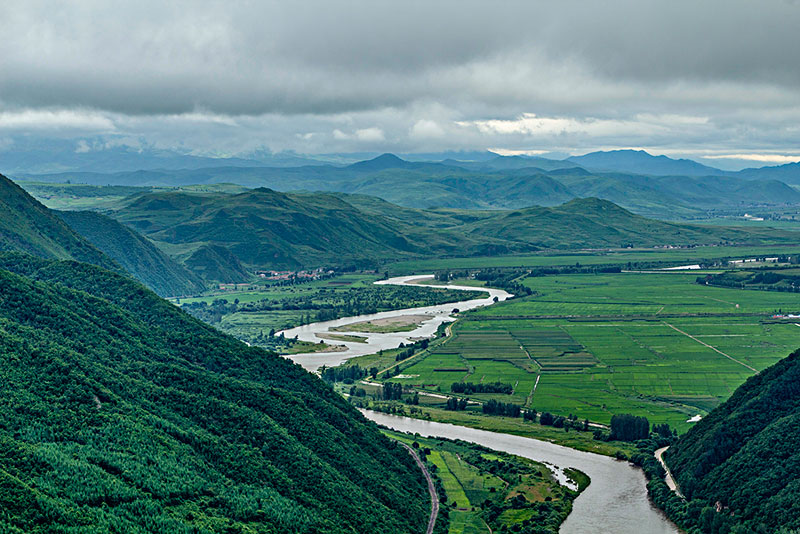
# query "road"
(669, 479)
(431, 489)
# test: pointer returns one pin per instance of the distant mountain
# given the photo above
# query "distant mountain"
(136, 254)
(789, 173)
(500, 183)
(28, 226)
(122, 413)
(596, 223)
(739, 466)
(640, 162)
(98, 155)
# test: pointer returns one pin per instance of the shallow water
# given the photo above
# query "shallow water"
(375, 342)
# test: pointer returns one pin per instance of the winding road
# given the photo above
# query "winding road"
(431, 489)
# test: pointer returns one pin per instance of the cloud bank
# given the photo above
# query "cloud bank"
(717, 77)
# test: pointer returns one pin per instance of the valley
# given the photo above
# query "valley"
(544, 323)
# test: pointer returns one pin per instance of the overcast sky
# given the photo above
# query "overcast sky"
(693, 78)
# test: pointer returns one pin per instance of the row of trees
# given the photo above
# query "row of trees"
(468, 388)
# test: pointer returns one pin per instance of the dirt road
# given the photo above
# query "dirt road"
(431, 489)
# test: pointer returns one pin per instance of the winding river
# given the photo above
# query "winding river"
(614, 503)
(438, 314)
(616, 500)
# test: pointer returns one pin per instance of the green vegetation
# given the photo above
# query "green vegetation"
(255, 315)
(649, 344)
(28, 226)
(501, 183)
(647, 258)
(785, 278)
(122, 413)
(136, 254)
(483, 491)
(738, 466)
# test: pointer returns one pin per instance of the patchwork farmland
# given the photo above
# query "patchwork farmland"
(658, 345)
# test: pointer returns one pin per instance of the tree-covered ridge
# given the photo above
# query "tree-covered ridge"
(739, 467)
(136, 254)
(27, 225)
(122, 413)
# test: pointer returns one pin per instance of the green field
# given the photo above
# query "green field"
(621, 256)
(476, 480)
(658, 345)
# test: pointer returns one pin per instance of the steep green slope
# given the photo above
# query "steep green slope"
(27, 225)
(121, 413)
(135, 253)
(217, 263)
(744, 457)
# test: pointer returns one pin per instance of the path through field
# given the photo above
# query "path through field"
(431, 489)
(709, 346)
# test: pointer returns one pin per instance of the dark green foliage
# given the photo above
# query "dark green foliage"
(28, 226)
(469, 388)
(509, 409)
(121, 413)
(744, 456)
(136, 254)
(455, 404)
(627, 427)
(342, 373)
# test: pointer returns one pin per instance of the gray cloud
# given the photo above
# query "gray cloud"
(407, 75)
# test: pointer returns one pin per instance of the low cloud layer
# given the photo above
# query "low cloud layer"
(718, 77)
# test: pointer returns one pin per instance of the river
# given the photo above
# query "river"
(438, 314)
(615, 502)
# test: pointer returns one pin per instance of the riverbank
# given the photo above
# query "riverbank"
(616, 501)
(380, 341)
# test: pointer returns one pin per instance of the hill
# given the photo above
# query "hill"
(136, 254)
(788, 173)
(641, 162)
(262, 228)
(28, 226)
(596, 223)
(121, 413)
(738, 467)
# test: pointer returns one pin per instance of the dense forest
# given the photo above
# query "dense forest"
(739, 467)
(121, 413)
(136, 254)
(27, 225)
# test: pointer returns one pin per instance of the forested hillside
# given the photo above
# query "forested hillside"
(135, 253)
(121, 413)
(27, 225)
(739, 467)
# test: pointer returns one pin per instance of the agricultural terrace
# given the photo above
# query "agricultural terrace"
(658, 345)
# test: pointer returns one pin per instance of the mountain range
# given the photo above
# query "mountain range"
(654, 186)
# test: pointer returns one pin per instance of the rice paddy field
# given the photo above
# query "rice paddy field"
(651, 344)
